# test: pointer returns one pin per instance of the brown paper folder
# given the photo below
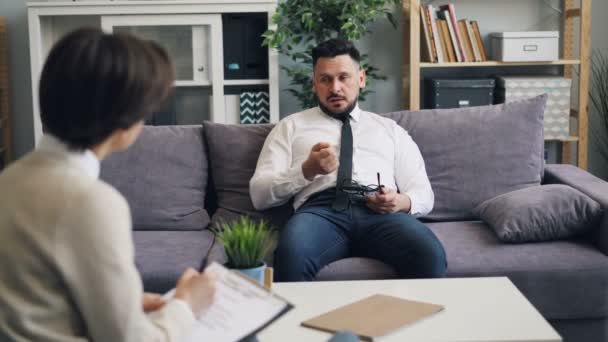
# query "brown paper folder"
(373, 316)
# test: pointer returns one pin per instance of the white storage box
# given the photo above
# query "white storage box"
(557, 111)
(530, 46)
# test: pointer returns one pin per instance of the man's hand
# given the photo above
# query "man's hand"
(196, 289)
(321, 161)
(152, 302)
(388, 201)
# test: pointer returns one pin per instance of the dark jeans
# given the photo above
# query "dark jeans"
(316, 236)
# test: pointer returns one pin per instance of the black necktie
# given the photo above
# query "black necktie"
(345, 169)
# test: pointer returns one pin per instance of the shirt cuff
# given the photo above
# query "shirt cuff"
(298, 179)
(414, 210)
(184, 307)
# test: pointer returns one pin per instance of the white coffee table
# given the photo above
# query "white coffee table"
(476, 309)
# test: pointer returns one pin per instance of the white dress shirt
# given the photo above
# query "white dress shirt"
(379, 145)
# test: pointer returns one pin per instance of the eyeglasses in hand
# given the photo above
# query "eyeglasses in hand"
(353, 187)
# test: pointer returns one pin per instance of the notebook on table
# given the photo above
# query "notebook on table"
(374, 316)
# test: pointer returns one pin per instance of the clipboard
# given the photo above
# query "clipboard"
(241, 308)
(374, 316)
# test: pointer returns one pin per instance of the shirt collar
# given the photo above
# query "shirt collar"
(86, 159)
(355, 114)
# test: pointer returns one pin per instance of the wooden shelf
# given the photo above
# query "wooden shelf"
(496, 64)
(568, 139)
(245, 82)
(572, 55)
(183, 83)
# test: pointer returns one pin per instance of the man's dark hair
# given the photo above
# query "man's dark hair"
(335, 47)
(94, 83)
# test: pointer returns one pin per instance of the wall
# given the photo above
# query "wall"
(492, 16)
(19, 74)
(599, 40)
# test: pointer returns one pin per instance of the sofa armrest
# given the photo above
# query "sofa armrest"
(588, 184)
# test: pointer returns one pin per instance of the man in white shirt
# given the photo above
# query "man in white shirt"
(358, 180)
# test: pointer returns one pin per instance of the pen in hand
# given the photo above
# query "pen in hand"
(380, 186)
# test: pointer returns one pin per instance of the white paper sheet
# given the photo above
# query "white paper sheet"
(240, 307)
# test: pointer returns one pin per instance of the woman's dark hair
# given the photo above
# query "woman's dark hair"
(94, 83)
(335, 47)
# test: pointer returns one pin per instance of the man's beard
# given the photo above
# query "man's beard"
(342, 114)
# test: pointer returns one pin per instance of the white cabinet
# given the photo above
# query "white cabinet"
(190, 31)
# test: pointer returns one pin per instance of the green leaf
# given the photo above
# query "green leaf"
(391, 19)
(246, 242)
(302, 24)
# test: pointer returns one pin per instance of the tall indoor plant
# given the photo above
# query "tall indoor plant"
(302, 24)
(247, 242)
(599, 101)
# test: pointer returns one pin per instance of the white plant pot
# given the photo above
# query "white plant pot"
(255, 273)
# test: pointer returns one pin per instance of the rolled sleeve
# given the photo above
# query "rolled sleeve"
(410, 174)
(275, 180)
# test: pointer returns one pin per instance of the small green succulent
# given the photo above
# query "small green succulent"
(246, 241)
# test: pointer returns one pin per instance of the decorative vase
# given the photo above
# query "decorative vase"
(255, 273)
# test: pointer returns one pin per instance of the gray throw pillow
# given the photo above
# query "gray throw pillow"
(477, 153)
(540, 213)
(163, 177)
(233, 156)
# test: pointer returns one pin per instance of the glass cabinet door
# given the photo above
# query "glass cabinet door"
(177, 40)
(194, 44)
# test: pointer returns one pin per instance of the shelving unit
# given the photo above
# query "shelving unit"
(195, 34)
(5, 119)
(412, 65)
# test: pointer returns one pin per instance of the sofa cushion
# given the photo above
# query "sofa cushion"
(589, 184)
(540, 213)
(233, 156)
(477, 153)
(163, 176)
(162, 256)
(356, 269)
(562, 279)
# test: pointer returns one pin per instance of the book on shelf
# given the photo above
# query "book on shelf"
(446, 40)
(482, 49)
(436, 42)
(468, 48)
(451, 29)
(429, 54)
(451, 17)
(473, 40)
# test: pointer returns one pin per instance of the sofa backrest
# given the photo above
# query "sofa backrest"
(233, 155)
(474, 154)
(163, 177)
(471, 155)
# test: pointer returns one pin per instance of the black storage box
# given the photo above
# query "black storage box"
(456, 93)
(244, 55)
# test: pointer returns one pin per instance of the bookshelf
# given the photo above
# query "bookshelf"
(412, 66)
(212, 66)
(5, 120)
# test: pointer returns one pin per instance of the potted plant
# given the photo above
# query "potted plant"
(599, 101)
(246, 243)
(302, 24)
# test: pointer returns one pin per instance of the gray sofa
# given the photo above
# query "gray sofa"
(180, 180)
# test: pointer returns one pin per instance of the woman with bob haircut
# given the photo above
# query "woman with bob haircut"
(68, 270)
